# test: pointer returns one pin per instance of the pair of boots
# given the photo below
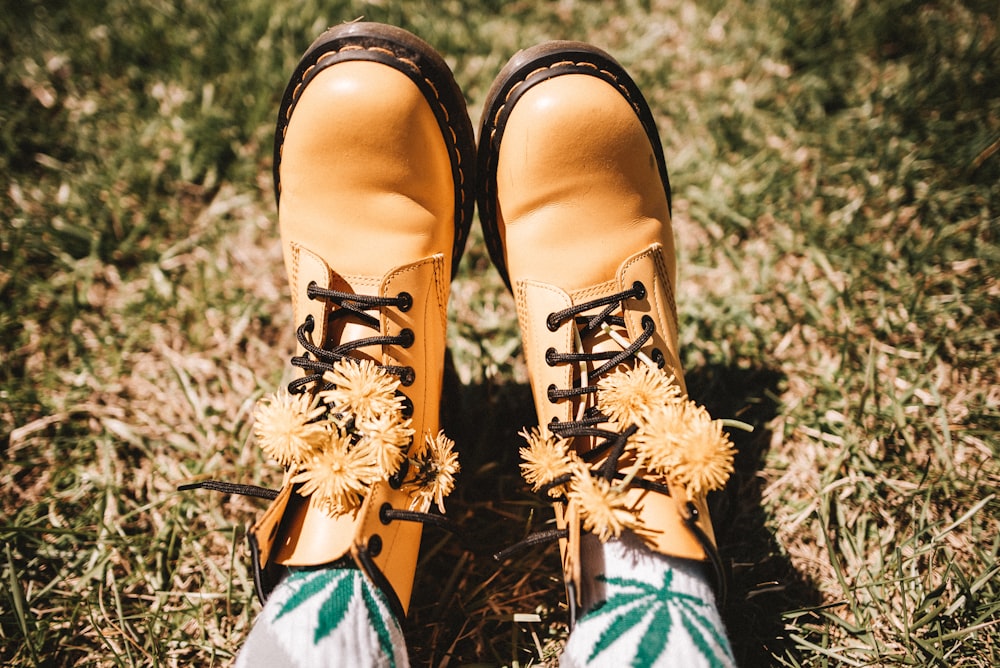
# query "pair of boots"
(377, 173)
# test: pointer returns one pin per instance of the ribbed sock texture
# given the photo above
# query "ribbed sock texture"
(645, 610)
(327, 617)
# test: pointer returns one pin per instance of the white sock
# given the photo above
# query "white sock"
(645, 610)
(326, 617)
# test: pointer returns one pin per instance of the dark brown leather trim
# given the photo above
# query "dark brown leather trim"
(424, 66)
(525, 70)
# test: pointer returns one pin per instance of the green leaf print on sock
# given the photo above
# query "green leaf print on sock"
(635, 602)
(312, 584)
(334, 608)
(378, 622)
(339, 587)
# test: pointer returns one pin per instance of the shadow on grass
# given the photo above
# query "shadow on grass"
(763, 583)
(465, 602)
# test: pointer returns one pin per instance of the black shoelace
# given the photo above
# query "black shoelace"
(366, 553)
(607, 443)
(316, 361)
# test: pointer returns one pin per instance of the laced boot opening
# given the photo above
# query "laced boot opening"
(345, 426)
(318, 359)
(632, 432)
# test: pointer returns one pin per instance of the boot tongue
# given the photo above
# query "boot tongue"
(598, 341)
(345, 329)
(537, 301)
(308, 268)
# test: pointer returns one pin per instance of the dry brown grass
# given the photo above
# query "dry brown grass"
(835, 206)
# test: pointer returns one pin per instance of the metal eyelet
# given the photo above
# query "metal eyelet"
(407, 405)
(550, 357)
(658, 357)
(648, 323)
(405, 300)
(407, 336)
(407, 377)
(375, 545)
(551, 323)
(383, 513)
(639, 289)
(396, 479)
(550, 393)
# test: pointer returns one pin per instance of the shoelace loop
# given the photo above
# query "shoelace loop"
(590, 325)
(317, 360)
(607, 443)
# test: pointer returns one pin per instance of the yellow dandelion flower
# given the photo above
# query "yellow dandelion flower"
(660, 433)
(626, 396)
(362, 389)
(602, 507)
(388, 435)
(683, 443)
(336, 477)
(435, 471)
(704, 457)
(284, 427)
(546, 458)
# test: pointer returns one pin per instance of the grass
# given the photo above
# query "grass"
(835, 170)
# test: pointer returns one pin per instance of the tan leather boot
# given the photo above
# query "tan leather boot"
(575, 204)
(373, 173)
